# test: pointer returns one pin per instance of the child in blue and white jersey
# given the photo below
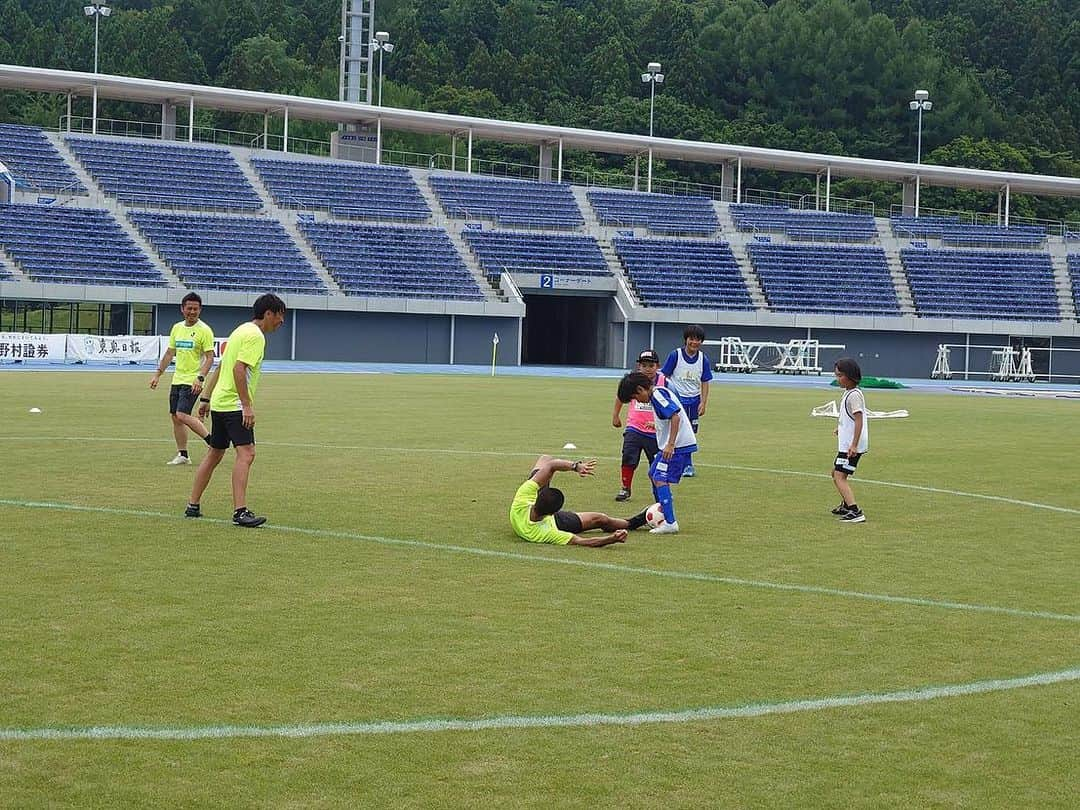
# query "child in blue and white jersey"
(675, 441)
(688, 371)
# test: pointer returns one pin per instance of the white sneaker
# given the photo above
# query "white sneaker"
(666, 528)
(178, 461)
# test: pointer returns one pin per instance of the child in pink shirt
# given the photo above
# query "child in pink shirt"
(640, 434)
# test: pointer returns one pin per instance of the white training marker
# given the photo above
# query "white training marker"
(35, 410)
(569, 446)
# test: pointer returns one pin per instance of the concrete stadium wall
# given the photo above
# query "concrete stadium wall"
(369, 337)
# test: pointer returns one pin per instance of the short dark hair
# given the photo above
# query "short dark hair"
(549, 500)
(629, 385)
(191, 296)
(850, 369)
(694, 331)
(268, 302)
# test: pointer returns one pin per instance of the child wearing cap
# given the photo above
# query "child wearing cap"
(640, 434)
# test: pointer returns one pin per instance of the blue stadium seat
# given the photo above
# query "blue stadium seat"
(986, 284)
(661, 213)
(229, 253)
(952, 232)
(394, 261)
(162, 174)
(34, 163)
(684, 273)
(509, 202)
(827, 280)
(346, 190)
(530, 252)
(60, 245)
(814, 226)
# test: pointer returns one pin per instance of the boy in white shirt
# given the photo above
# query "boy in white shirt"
(675, 441)
(853, 437)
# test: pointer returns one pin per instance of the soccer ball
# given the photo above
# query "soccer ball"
(654, 516)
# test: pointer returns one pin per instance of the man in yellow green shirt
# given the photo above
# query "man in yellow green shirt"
(191, 342)
(230, 398)
(536, 513)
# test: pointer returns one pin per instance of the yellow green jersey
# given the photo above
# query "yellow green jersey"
(190, 343)
(540, 531)
(247, 345)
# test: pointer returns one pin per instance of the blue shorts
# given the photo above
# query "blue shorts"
(670, 470)
(691, 405)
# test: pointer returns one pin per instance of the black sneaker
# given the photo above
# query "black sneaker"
(624, 495)
(841, 509)
(192, 510)
(247, 519)
(853, 516)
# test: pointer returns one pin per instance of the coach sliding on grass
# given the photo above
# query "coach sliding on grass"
(536, 512)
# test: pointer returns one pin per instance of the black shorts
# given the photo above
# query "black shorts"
(634, 444)
(227, 427)
(182, 399)
(568, 522)
(847, 464)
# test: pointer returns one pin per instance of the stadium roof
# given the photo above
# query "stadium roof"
(231, 100)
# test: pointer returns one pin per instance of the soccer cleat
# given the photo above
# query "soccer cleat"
(247, 519)
(178, 461)
(853, 516)
(689, 472)
(666, 528)
(841, 509)
(624, 495)
(192, 510)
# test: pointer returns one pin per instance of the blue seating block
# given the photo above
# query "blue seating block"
(64, 245)
(509, 202)
(827, 280)
(161, 174)
(684, 273)
(34, 163)
(229, 253)
(530, 252)
(662, 213)
(394, 261)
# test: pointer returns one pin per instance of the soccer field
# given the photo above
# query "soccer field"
(385, 640)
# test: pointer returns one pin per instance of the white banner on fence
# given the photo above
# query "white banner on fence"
(26, 347)
(114, 348)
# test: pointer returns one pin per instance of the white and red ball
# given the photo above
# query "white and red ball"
(654, 516)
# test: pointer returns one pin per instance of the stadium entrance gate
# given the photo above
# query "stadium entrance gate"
(564, 330)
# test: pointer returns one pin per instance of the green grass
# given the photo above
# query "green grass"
(115, 618)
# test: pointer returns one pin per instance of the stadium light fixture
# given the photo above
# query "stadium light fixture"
(96, 10)
(652, 77)
(383, 45)
(919, 104)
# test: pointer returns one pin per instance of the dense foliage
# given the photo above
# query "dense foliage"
(820, 75)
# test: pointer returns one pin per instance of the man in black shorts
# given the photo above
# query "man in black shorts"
(536, 513)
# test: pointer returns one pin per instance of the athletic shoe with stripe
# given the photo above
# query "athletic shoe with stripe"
(853, 516)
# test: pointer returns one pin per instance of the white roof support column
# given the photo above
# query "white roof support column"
(378, 141)
(1007, 192)
(453, 151)
(469, 154)
(560, 161)
(648, 183)
(285, 136)
(817, 191)
(738, 181)
(93, 117)
(918, 191)
(266, 130)
(828, 188)
(191, 120)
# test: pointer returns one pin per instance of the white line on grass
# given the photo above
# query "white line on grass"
(569, 561)
(519, 454)
(517, 722)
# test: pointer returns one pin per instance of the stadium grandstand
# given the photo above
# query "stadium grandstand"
(366, 253)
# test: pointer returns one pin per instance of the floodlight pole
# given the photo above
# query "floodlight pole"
(383, 45)
(653, 76)
(97, 10)
(918, 104)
